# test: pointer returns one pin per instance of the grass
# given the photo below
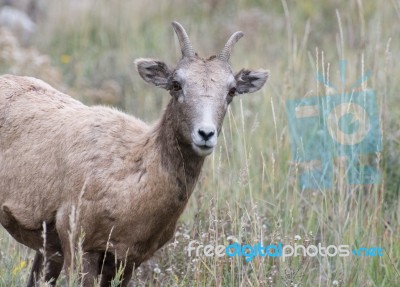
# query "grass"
(248, 190)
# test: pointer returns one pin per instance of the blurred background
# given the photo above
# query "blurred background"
(248, 191)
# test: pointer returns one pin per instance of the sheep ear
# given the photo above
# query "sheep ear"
(154, 72)
(248, 81)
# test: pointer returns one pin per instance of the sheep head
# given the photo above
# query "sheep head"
(201, 90)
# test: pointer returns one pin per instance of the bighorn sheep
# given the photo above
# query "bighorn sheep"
(130, 181)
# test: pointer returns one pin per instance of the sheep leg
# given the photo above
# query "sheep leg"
(126, 277)
(37, 267)
(107, 276)
(90, 268)
(110, 269)
(52, 270)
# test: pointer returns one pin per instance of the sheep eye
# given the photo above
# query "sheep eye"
(232, 92)
(176, 86)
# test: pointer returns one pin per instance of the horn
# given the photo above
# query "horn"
(186, 46)
(226, 51)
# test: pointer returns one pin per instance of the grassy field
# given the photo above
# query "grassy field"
(248, 189)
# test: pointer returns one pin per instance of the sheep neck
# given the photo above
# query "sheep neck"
(177, 158)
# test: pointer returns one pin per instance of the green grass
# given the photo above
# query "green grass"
(248, 189)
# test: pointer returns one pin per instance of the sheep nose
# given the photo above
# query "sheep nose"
(206, 133)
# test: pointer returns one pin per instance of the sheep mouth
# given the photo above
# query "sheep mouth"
(203, 149)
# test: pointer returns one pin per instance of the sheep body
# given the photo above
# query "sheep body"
(54, 145)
